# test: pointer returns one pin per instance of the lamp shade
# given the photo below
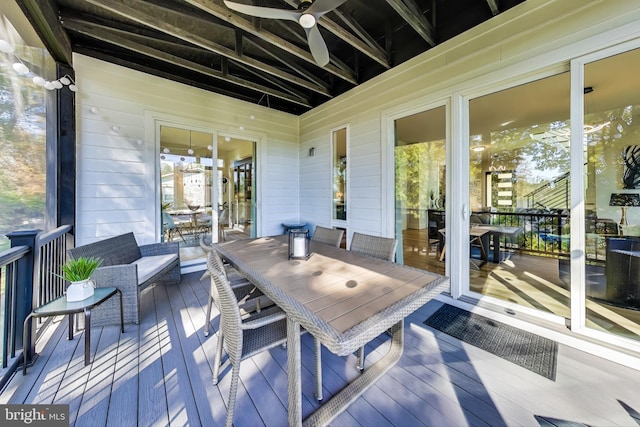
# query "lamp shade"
(624, 199)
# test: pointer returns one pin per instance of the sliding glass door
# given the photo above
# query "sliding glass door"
(201, 196)
(519, 195)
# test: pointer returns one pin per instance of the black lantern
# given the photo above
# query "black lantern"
(298, 243)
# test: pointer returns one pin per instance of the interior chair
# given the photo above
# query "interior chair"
(377, 247)
(433, 237)
(170, 228)
(223, 221)
(243, 338)
(203, 224)
(330, 236)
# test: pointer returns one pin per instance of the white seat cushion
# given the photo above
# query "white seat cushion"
(148, 266)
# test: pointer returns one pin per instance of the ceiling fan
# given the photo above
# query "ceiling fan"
(307, 15)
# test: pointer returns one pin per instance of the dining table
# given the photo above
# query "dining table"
(496, 232)
(342, 298)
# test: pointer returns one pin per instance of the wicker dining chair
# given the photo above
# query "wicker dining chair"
(244, 338)
(330, 236)
(377, 247)
(248, 297)
(232, 274)
(374, 246)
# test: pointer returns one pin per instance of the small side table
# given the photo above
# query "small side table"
(60, 306)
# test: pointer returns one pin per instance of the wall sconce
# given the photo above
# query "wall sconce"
(312, 151)
(623, 200)
(298, 243)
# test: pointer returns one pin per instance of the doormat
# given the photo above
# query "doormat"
(533, 352)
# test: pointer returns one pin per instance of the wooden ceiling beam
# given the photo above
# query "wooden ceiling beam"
(146, 14)
(365, 36)
(365, 43)
(410, 12)
(285, 62)
(221, 12)
(45, 21)
(106, 35)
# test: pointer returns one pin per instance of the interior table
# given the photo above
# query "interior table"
(343, 299)
(60, 306)
(498, 231)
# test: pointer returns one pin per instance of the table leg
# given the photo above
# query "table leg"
(71, 318)
(293, 372)
(87, 336)
(345, 397)
(496, 248)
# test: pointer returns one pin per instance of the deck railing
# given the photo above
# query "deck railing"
(28, 279)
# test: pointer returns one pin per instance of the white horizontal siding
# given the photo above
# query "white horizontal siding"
(117, 157)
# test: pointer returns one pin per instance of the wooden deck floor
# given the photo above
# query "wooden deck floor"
(159, 373)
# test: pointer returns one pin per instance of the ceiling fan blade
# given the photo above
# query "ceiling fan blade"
(263, 12)
(317, 46)
(320, 7)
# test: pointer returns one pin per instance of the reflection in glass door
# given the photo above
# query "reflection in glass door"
(420, 189)
(519, 164)
(186, 175)
(612, 194)
(191, 206)
(237, 182)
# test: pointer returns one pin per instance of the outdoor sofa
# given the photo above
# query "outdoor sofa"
(130, 268)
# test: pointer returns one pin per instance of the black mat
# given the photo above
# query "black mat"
(523, 348)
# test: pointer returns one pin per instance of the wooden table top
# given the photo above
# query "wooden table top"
(338, 295)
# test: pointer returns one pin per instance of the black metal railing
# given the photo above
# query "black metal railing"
(29, 278)
(544, 232)
(552, 195)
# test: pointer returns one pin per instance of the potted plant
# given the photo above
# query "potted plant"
(78, 271)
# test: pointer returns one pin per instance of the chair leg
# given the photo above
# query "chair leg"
(318, 360)
(218, 358)
(360, 359)
(233, 392)
(207, 324)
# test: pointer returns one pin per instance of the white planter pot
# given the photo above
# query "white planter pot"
(78, 291)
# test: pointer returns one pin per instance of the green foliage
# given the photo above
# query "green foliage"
(79, 269)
